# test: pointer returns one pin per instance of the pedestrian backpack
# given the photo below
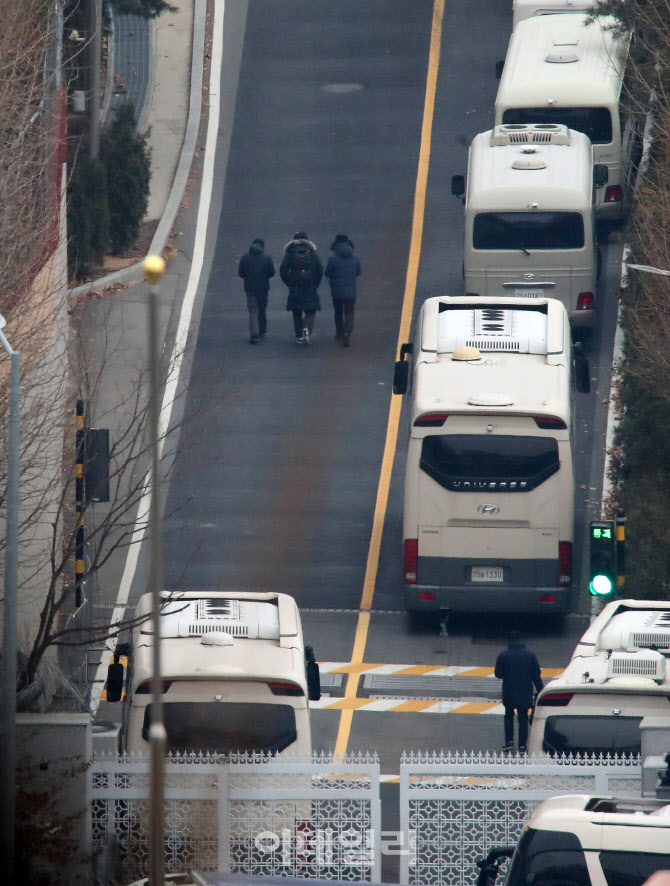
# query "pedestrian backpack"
(301, 267)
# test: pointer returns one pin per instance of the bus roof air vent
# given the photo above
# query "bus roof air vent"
(641, 629)
(492, 329)
(530, 134)
(239, 618)
(527, 162)
(644, 663)
(563, 57)
(467, 352)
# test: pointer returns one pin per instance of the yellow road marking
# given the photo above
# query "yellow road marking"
(372, 564)
(418, 670)
(475, 707)
(356, 668)
(348, 704)
(414, 704)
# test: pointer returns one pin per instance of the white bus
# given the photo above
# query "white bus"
(530, 216)
(618, 674)
(235, 675)
(488, 512)
(560, 69)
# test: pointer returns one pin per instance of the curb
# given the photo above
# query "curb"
(133, 273)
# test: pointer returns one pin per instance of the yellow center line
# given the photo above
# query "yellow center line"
(372, 564)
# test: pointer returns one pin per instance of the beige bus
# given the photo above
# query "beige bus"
(488, 509)
(561, 69)
(617, 675)
(530, 216)
(235, 675)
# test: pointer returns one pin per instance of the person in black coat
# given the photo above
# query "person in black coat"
(256, 268)
(302, 271)
(342, 269)
(519, 670)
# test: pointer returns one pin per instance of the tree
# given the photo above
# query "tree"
(87, 216)
(126, 159)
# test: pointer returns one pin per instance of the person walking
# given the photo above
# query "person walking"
(342, 269)
(256, 268)
(519, 670)
(301, 270)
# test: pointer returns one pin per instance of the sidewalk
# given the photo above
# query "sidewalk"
(160, 69)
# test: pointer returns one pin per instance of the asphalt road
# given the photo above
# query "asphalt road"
(275, 484)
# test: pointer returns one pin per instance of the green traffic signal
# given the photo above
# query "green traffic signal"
(603, 563)
(601, 586)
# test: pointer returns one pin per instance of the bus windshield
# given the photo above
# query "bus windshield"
(594, 122)
(528, 230)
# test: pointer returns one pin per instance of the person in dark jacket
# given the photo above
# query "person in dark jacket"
(519, 670)
(256, 268)
(342, 268)
(302, 271)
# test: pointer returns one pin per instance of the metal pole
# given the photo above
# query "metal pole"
(95, 60)
(154, 267)
(9, 642)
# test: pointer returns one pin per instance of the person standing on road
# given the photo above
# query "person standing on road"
(342, 268)
(301, 270)
(519, 670)
(256, 268)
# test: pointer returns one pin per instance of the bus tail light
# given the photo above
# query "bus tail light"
(410, 560)
(428, 596)
(475, 294)
(613, 194)
(549, 423)
(586, 301)
(431, 420)
(564, 564)
(555, 699)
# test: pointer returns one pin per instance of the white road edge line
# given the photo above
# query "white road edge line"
(178, 350)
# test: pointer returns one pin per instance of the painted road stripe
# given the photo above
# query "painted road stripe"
(372, 564)
(403, 670)
(406, 706)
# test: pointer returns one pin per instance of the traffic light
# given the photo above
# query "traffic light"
(603, 568)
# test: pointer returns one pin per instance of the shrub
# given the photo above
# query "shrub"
(87, 216)
(126, 158)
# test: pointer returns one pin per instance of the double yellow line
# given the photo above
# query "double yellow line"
(363, 623)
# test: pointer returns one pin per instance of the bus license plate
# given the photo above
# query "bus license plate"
(529, 293)
(486, 573)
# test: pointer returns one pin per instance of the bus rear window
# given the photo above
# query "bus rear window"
(631, 868)
(472, 462)
(588, 736)
(225, 727)
(548, 858)
(594, 122)
(528, 230)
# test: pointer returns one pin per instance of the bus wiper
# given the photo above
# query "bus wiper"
(512, 234)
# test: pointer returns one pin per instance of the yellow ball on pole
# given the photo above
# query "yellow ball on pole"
(153, 268)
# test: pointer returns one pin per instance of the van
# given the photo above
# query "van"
(523, 9)
(563, 69)
(617, 675)
(586, 841)
(530, 216)
(488, 511)
(236, 674)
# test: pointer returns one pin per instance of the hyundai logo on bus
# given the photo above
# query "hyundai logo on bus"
(488, 509)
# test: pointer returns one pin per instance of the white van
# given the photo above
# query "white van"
(560, 69)
(236, 676)
(488, 518)
(617, 675)
(523, 9)
(530, 216)
(584, 840)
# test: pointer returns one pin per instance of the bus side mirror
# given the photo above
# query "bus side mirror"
(582, 373)
(458, 185)
(313, 675)
(499, 69)
(600, 175)
(115, 681)
(401, 372)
